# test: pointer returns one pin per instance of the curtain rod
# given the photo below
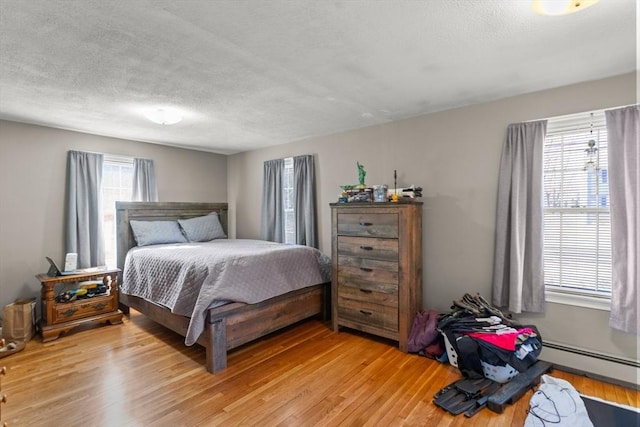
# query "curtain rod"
(581, 114)
(114, 157)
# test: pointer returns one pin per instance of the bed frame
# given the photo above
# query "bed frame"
(230, 325)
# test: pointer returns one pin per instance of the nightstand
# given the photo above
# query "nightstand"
(59, 317)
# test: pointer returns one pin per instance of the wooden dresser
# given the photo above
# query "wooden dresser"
(377, 267)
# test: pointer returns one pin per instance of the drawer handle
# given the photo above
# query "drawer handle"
(366, 313)
(99, 306)
(365, 291)
(366, 269)
(366, 248)
(366, 224)
(69, 312)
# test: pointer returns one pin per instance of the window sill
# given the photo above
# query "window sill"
(578, 300)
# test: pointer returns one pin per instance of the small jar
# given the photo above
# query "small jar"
(379, 193)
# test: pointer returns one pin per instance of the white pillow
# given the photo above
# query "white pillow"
(202, 228)
(156, 232)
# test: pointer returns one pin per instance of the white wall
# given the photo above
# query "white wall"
(32, 192)
(454, 155)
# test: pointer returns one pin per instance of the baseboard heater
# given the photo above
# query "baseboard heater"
(581, 352)
(595, 355)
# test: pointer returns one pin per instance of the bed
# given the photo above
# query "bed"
(226, 326)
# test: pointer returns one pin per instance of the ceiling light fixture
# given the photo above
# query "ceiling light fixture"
(164, 116)
(560, 7)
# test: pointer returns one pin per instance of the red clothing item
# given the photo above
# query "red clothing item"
(506, 341)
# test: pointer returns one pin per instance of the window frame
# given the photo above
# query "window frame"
(289, 202)
(110, 233)
(560, 294)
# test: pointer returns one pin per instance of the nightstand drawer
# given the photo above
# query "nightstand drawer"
(368, 225)
(368, 247)
(353, 313)
(65, 312)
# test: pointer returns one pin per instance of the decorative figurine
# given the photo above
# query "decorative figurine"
(361, 174)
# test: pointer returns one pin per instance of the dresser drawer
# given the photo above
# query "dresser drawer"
(363, 294)
(374, 275)
(368, 225)
(353, 313)
(368, 247)
(65, 312)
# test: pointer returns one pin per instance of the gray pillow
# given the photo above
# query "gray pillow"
(202, 228)
(156, 232)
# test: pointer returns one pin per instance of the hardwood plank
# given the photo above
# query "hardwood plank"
(140, 373)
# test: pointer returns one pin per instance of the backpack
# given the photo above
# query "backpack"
(424, 337)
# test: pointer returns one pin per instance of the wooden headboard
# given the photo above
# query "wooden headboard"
(158, 211)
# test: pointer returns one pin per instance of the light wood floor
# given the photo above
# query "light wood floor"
(140, 374)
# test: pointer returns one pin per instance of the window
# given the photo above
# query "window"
(289, 202)
(577, 230)
(117, 185)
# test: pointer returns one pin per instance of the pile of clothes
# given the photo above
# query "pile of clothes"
(477, 338)
(489, 348)
(482, 342)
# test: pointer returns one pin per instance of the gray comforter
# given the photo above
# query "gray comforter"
(188, 278)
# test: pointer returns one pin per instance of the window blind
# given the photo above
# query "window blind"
(577, 230)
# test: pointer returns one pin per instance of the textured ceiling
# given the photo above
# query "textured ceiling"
(249, 74)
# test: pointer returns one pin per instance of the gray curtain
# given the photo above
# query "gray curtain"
(84, 208)
(145, 188)
(272, 209)
(518, 275)
(623, 134)
(304, 182)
